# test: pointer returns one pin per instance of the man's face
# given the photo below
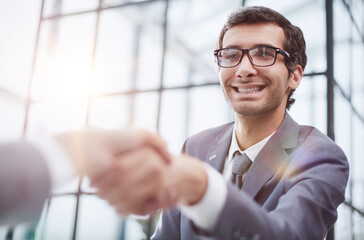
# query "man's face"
(251, 90)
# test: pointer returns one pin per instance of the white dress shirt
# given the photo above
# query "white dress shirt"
(205, 213)
(60, 166)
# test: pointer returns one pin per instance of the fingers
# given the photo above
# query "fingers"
(133, 181)
(166, 198)
(128, 167)
(92, 151)
(127, 140)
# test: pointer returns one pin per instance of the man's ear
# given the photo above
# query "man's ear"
(295, 77)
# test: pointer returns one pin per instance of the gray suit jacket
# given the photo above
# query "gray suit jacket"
(291, 191)
(24, 183)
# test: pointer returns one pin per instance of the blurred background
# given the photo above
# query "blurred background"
(65, 64)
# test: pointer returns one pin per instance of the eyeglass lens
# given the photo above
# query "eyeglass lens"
(259, 56)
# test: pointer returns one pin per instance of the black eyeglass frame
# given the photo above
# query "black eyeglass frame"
(246, 51)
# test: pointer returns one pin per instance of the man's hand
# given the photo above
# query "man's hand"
(140, 182)
(136, 183)
(188, 177)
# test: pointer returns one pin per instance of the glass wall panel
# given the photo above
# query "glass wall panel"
(146, 110)
(114, 53)
(342, 22)
(305, 16)
(113, 3)
(57, 221)
(148, 57)
(357, 11)
(357, 74)
(343, 119)
(150, 64)
(176, 70)
(310, 105)
(343, 226)
(349, 121)
(11, 118)
(56, 116)
(357, 162)
(343, 63)
(97, 219)
(18, 28)
(3, 232)
(64, 58)
(358, 226)
(174, 118)
(69, 187)
(110, 112)
(55, 7)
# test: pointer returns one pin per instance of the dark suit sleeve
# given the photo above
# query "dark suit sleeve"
(24, 183)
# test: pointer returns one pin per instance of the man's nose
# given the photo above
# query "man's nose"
(245, 68)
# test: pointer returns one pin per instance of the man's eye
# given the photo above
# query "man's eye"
(232, 56)
(263, 53)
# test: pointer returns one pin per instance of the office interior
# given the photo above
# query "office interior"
(67, 64)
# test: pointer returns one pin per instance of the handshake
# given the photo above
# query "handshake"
(133, 170)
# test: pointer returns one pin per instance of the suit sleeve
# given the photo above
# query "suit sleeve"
(24, 183)
(299, 202)
(305, 209)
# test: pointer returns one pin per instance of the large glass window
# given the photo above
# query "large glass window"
(116, 63)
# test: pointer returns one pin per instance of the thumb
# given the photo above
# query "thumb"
(126, 140)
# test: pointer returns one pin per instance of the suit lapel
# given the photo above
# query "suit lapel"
(217, 153)
(271, 157)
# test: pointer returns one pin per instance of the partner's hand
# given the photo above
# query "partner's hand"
(94, 151)
(140, 182)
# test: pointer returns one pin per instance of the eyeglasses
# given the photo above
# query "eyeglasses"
(260, 56)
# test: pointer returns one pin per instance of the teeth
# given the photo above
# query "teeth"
(248, 90)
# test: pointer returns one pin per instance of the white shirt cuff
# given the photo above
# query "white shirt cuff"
(205, 213)
(59, 164)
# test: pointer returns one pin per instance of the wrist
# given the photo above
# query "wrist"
(191, 181)
(73, 147)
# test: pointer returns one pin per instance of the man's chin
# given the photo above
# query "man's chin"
(247, 112)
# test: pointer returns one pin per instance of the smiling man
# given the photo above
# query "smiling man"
(263, 176)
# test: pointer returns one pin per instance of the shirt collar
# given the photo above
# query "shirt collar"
(251, 152)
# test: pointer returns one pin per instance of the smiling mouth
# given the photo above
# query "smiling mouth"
(248, 90)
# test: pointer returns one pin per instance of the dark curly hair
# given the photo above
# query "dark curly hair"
(295, 43)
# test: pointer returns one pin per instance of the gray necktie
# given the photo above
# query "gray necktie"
(241, 164)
